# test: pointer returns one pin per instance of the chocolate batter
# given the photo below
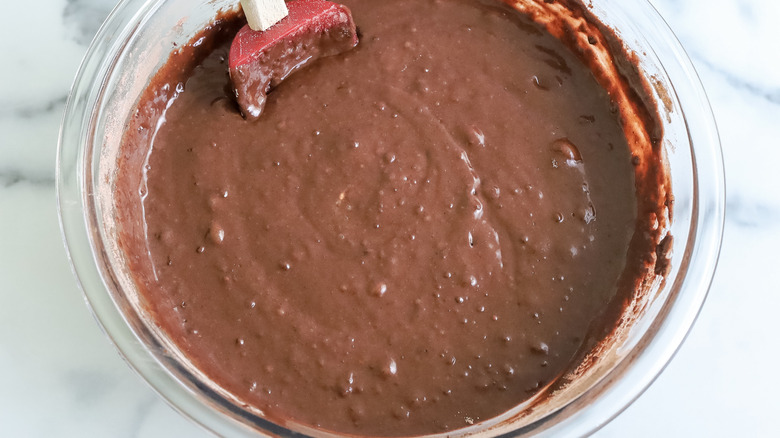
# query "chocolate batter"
(417, 235)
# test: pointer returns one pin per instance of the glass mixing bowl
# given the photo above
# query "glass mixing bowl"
(135, 41)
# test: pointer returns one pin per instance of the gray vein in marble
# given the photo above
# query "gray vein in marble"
(89, 387)
(10, 178)
(84, 17)
(750, 214)
(770, 95)
(142, 412)
(34, 109)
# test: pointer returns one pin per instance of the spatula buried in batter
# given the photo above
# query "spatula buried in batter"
(281, 39)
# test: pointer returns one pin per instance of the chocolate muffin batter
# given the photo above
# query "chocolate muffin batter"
(416, 235)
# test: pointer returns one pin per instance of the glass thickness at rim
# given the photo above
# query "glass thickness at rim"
(78, 157)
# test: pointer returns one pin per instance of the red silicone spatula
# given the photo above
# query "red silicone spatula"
(263, 53)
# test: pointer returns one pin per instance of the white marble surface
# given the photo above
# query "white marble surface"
(60, 376)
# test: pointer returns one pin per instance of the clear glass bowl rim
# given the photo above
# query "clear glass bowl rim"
(614, 394)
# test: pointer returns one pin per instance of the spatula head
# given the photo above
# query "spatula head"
(259, 61)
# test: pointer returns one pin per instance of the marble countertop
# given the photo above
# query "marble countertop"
(60, 376)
